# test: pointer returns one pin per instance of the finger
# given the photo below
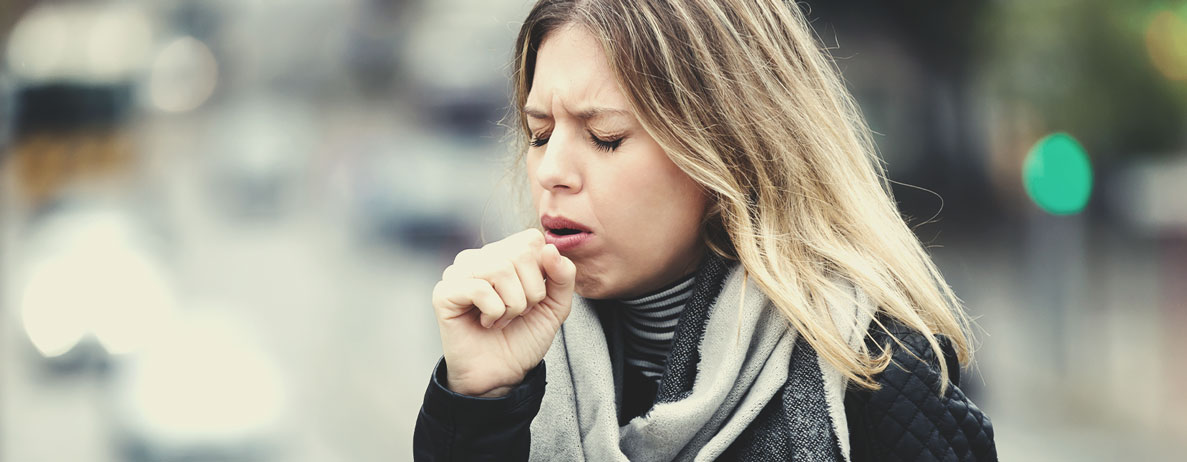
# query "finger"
(506, 282)
(453, 272)
(531, 236)
(458, 297)
(561, 274)
(531, 270)
(531, 276)
(488, 301)
(462, 266)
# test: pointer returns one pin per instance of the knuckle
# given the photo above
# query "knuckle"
(518, 306)
(464, 255)
(478, 290)
(519, 301)
(507, 268)
(439, 292)
(525, 258)
(534, 237)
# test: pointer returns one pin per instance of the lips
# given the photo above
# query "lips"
(564, 233)
(552, 223)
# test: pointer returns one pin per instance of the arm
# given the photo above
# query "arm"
(456, 427)
(907, 419)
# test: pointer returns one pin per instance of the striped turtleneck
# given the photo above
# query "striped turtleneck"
(649, 323)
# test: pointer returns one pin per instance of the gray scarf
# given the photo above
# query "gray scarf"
(733, 358)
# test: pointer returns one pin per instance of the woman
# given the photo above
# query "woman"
(719, 271)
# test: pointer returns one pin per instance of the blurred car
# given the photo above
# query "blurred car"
(90, 273)
(205, 391)
(422, 192)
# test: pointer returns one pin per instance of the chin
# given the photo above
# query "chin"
(592, 288)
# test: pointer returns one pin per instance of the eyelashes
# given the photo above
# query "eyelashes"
(600, 144)
(606, 145)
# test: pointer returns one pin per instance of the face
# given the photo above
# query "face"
(591, 163)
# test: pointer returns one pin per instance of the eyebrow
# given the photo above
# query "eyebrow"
(585, 114)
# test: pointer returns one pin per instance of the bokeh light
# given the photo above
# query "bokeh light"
(1166, 41)
(1057, 175)
(80, 42)
(183, 75)
(94, 277)
(205, 379)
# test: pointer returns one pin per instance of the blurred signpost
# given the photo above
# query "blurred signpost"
(1058, 178)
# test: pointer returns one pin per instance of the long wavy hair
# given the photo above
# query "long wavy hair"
(743, 98)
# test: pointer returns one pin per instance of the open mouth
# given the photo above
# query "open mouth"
(565, 231)
(567, 235)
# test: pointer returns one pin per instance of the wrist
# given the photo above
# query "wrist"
(497, 392)
(462, 387)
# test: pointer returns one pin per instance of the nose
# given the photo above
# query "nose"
(558, 168)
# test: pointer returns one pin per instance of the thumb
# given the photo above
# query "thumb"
(561, 275)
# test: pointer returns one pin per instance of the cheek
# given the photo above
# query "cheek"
(681, 212)
(665, 206)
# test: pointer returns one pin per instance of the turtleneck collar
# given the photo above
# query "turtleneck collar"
(649, 323)
(675, 288)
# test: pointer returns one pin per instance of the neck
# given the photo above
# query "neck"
(669, 277)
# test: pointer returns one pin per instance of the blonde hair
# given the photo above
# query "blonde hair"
(743, 99)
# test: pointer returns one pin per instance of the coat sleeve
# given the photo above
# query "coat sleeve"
(907, 419)
(456, 427)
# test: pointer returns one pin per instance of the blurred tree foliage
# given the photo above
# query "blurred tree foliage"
(1083, 67)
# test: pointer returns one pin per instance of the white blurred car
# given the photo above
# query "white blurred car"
(90, 273)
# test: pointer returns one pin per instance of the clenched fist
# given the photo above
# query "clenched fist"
(499, 308)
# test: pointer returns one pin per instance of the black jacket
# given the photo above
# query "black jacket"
(907, 419)
(904, 420)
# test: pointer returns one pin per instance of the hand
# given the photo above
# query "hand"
(499, 308)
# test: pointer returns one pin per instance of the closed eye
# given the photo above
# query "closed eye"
(604, 145)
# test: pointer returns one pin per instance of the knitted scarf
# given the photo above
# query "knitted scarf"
(737, 383)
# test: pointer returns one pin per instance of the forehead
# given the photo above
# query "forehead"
(571, 69)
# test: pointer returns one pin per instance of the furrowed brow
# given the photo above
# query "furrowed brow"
(536, 113)
(585, 114)
(594, 113)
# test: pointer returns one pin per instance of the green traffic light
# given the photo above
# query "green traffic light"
(1057, 175)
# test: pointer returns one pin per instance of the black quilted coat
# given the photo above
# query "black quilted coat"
(905, 420)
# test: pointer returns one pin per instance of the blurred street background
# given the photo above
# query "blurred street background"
(221, 221)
